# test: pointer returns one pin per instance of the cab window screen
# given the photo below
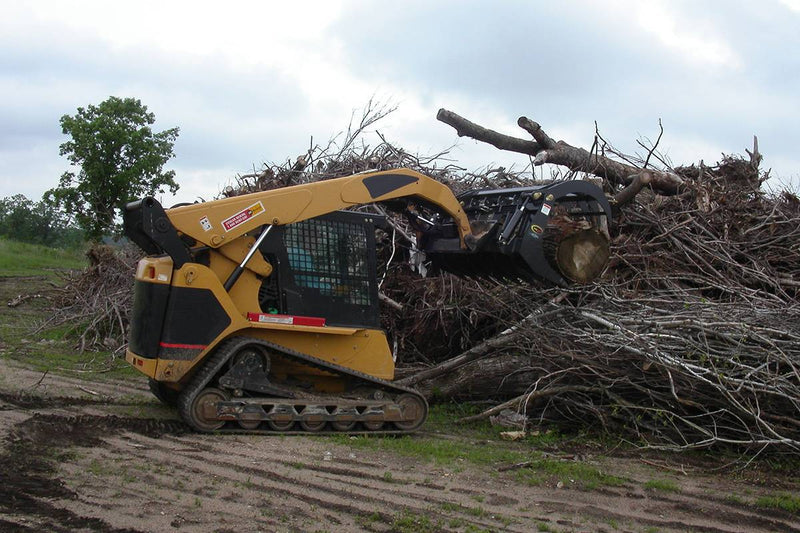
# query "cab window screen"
(330, 256)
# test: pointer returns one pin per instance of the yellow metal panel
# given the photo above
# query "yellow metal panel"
(253, 210)
(174, 371)
(142, 364)
(237, 250)
(366, 351)
(243, 295)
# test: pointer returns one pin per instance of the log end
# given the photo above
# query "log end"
(582, 256)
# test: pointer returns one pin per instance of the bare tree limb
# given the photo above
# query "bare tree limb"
(546, 150)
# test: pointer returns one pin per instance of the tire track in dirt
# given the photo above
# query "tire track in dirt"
(102, 472)
(339, 493)
(339, 487)
(353, 497)
(49, 385)
(361, 483)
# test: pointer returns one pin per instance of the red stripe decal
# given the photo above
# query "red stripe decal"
(183, 346)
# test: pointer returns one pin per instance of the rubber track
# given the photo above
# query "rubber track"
(229, 346)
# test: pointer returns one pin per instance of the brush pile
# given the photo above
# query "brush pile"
(93, 306)
(690, 339)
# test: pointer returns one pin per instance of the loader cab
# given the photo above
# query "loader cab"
(324, 267)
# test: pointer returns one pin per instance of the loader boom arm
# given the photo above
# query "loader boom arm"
(230, 218)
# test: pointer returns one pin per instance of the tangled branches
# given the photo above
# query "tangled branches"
(689, 340)
(94, 304)
(343, 155)
(668, 373)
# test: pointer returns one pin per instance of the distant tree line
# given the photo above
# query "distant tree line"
(39, 222)
(115, 157)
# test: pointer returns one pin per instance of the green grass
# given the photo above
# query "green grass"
(780, 500)
(444, 418)
(480, 445)
(29, 270)
(662, 485)
(408, 522)
(439, 451)
(22, 259)
(735, 499)
(570, 473)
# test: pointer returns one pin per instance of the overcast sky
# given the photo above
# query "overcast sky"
(249, 82)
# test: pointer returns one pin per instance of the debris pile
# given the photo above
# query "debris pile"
(690, 339)
(93, 305)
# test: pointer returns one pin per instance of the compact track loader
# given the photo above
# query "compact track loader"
(260, 312)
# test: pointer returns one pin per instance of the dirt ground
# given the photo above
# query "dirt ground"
(102, 455)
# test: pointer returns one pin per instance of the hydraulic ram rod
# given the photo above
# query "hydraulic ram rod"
(234, 277)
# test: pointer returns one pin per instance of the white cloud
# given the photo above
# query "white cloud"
(697, 41)
(250, 32)
(794, 5)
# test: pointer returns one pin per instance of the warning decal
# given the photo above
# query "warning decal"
(243, 216)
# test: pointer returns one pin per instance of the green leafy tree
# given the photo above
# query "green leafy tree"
(120, 159)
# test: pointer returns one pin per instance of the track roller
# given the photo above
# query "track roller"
(202, 414)
(414, 411)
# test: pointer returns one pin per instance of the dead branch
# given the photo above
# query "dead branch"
(546, 150)
(501, 340)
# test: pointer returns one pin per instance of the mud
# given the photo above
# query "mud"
(34, 446)
(64, 469)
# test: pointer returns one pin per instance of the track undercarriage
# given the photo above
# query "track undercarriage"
(234, 391)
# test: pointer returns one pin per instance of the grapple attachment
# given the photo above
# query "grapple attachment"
(556, 232)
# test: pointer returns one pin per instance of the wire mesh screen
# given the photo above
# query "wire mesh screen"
(330, 256)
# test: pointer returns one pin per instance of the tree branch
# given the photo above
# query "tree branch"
(546, 150)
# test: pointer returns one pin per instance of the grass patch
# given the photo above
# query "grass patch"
(408, 522)
(480, 445)
(22, 259)
(735, 499)
(439, 451)
(366, 520)
(662, 485)
(570, 473)
(51, 350)
(48, 355)
(780, 500)
(444, 418)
